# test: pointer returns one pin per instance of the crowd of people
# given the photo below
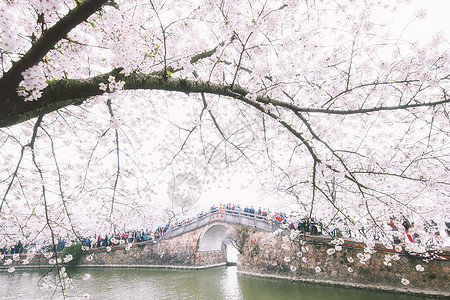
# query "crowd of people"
(405, 231)
(250, 210)
(13, 249)
(304, 225)
(128, 237)
(97, 241)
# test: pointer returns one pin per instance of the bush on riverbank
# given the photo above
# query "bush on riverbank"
(73, 250)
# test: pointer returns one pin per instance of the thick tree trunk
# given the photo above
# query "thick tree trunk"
(13, 109)
(65, 92)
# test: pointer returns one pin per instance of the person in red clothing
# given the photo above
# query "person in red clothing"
(392, 224)
(407, 226)
(278, 217)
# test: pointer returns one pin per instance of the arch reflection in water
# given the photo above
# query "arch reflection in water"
(209, 284)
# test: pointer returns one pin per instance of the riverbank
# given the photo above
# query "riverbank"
(345, 263)
(119, 266)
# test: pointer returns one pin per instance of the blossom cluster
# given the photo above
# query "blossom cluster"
(34, 81)
(112, 85)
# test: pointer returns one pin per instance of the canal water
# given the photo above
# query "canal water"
(208, 284)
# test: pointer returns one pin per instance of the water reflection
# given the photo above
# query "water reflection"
(218, 283)
(230, 285)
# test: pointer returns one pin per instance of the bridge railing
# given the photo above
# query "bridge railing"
(223, 215)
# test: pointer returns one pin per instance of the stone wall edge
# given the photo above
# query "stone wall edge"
(436, 294)
(25, 267)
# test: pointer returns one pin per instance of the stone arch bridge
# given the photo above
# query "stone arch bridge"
(205, 241)
(215, 234)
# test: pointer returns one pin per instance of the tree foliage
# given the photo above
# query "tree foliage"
(321, 101)
(74, 251)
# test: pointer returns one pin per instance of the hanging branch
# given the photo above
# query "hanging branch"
(22, 150)
(116, 180)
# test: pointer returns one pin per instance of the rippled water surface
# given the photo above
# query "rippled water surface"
(217, 283)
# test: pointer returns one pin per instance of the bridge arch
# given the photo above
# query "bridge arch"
(215, 236)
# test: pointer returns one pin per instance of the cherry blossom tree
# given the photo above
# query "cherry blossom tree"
(102, 102)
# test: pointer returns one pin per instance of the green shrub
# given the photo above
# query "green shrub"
(73, 250)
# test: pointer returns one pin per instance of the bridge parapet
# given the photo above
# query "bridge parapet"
(233, 217)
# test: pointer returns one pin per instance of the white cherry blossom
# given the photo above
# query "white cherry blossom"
(130, 100)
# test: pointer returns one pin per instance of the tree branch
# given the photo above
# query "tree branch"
(65, 92)
(47, 41)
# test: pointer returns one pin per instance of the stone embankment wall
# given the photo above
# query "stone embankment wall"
(315, 259)
(179, 252)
